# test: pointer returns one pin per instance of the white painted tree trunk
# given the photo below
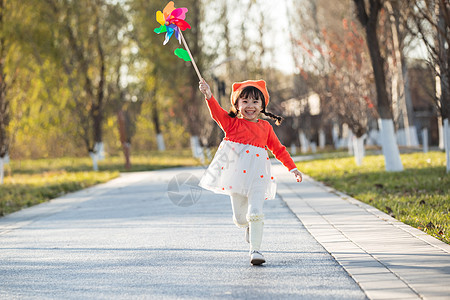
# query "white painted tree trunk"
(335, 135)
(358, 149)
(197, 150)
(425, 140)
(208, 154)
(447, 143)
(372, 138)
(194, 145)
(304, 144)
(293, 149)
(160, 142)
(321, 139)
(389, 146)
(375, 136)
(99, 150)
(94, 158)
(350, 142)
(313, 147)
(408, 137)
(441, 133)
(411, 136)
(2, 169)
(97, 155)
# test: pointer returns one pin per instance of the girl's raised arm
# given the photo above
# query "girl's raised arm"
(217, 112)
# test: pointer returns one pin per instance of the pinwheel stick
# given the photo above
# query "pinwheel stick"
(190, 55)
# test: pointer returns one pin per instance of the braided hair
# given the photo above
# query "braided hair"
(254, 93)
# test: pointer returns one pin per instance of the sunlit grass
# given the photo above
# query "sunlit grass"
(25, 190)
(418, 196)
(29, 182)
(141, 162)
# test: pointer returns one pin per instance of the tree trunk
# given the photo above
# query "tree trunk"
(194, 100)
(409, 106)
(441, 133)
(358, 149)
(384, 107)
(322, 141)
(97, 116)
(447, 142)
(386, 124)
(4, 102)
(444, 68)
(400, 83)
(94, 158)
(335, 135)
(350, 142)
(160, 142)
(98, 106)
(389, 147)
(408, 111)
(2, 169)
(444, 60)
(124, 140)
(155, 117)
(196, 148)
(304, 144)
(425, 140)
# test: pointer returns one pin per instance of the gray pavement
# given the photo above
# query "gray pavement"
(388, 259)
(155, 235)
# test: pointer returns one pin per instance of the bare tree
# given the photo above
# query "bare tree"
(396, 43)
(430, 21)
(312, 60)
(368, 16)
(351, 83)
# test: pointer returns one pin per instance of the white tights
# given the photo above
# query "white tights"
(248, 211)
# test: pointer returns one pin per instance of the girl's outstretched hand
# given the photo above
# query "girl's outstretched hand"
(205, 89)
(298, 175)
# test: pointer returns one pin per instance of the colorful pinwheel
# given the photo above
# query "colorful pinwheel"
(172, 21)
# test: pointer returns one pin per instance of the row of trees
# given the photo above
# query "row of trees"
(75, 71)
(76, 75)
(68, 68)
(361, 60)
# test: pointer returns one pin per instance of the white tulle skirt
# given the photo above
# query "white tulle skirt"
(238, 169)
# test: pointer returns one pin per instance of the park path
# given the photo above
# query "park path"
(157, 235)
(128, 239)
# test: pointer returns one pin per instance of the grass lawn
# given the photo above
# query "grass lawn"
(29, 182)
(418, 196)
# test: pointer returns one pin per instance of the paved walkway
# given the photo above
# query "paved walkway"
(388, 259)
(156, 235)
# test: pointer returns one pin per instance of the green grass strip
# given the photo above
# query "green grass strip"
(418, 196)
(30, 182)
(25, 190)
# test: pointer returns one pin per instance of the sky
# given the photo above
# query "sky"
(279, 36)
(276, 34)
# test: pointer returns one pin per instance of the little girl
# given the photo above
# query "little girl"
(241, 167)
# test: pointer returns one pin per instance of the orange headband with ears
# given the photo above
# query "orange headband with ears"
(259, 84)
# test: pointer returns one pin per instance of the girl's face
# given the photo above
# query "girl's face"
(249, 108)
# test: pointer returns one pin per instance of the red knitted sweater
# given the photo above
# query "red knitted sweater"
(259, 134)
